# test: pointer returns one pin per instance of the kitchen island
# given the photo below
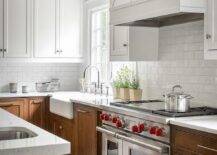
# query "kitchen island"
(44, 143)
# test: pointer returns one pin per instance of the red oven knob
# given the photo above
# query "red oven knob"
(152, 130)
(106, 117)
(102, 116)
(141, 127)
(159, 132)
(135, 129)
(119, 124)
(114, 119)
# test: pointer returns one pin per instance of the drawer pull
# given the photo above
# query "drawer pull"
(82, 111)
(206, 148)
(35, 102)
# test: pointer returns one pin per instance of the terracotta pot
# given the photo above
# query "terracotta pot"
(116, 93)
(124, 93)
(135, 94)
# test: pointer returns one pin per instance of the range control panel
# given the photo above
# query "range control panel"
(137, 126)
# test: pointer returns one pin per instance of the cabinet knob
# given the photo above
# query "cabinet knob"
(60, 127)
(208, 36)
(1, 50)
(125, 45)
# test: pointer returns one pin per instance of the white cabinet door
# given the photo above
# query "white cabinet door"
(69, 28)
(1, 27)
(211, 25)
(45, 28)
(119, 3)
(16, 28)
(119, 41)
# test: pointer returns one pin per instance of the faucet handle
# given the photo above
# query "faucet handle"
(107, 90)
(101, 87)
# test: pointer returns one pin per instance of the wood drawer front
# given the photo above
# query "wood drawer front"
(194, 141)
(186, 140)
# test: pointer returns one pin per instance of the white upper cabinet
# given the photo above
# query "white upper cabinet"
(133, 43)
(44, 37)
(1, 28)
(119, 41)
(69, 28)
(16, 21)
(57, 25)
(210, 25)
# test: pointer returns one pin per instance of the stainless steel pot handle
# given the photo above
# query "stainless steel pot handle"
(103, 130)
(141, 143)
(176, 86)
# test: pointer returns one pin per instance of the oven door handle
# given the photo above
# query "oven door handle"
(106, 131)
(150, 146)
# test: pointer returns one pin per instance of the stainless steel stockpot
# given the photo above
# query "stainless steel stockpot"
(177, 101)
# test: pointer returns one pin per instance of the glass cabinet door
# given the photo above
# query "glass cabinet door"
(111, 145)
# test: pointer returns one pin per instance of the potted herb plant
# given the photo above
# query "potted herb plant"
(121, 84)
(116, 89)
(135, 91)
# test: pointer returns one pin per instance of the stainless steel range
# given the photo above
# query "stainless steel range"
(125, 134)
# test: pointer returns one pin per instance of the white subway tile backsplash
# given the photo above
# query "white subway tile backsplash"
(30, 73)
(181, 62)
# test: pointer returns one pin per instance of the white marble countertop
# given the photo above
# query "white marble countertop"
(43, 144)
(201, 123)
(30, 94)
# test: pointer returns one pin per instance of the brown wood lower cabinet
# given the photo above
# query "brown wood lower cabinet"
(37, 111)
(62, 127)
(15, 106)
(192, 142)
(31, 109)
(85, 130)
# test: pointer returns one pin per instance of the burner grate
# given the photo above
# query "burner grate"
(199, 111)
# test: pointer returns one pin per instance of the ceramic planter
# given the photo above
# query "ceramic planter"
(135, 94)
(124, 93)
(116, 93)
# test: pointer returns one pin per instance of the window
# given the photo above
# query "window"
(99, 43)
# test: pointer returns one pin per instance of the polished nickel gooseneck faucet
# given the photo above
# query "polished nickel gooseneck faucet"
(98, 73)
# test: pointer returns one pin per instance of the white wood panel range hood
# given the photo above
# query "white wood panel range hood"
(155, 13)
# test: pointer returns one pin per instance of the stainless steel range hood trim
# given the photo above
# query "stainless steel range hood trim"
(166, 20)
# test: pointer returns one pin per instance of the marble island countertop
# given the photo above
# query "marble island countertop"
(44, 143)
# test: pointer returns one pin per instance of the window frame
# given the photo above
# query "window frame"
(89, 40)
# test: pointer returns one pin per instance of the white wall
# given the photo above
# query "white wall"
(181, 62)
(30, 73)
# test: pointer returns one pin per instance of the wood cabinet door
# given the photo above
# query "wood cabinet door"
(86, 121)
(63, 130)
(119, 41)
(45, 36)
(16, 28)
(69, 28)
(210, 26)
(14, 106)
(1, 28)
(37, 112)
